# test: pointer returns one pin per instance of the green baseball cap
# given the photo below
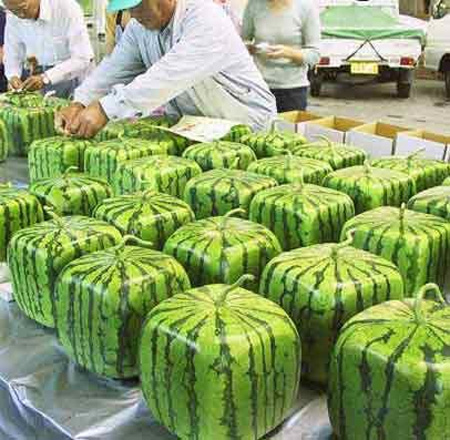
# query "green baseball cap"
(119, 5)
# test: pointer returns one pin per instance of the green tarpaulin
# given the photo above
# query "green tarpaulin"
(364, 23)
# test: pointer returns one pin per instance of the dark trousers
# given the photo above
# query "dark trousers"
(291, 99)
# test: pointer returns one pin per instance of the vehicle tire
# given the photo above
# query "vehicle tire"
(316, 81)
(447, 83)
(404, 83)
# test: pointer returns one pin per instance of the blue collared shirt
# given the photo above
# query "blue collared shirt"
(197, 65)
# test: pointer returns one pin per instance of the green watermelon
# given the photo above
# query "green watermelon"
(51, 157)
(18, 209)
(72, 193)
(151, 216)
(390, 372)
(22, 99)
(425, 172)
(36, 256)
(321, 287)
(220, 154)
(291, 169)
(28, 120)
(418, 244)
(446, 182)
(133, 127)
(434, 201)
(218, 191)
(372, 187)
(166, 174)
(102, 160)
(222, 249)
(219, 362)
(102, 299)
(237, 133)
(270, 143)
(302, 215)
(4, 142)
(337, 155)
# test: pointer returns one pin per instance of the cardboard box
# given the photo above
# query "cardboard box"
(377, 139)
(332, 127)
(436, 146)
(295, 121)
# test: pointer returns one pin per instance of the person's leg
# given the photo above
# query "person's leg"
(291, 99)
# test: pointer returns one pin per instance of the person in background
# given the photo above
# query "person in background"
(183, 53)
(54, 33)
(115, 27)
(3, 80)
(284, 37)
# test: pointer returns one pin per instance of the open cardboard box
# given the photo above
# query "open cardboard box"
(295, 121)
(377, 139)
(436, 146)
(332, 127)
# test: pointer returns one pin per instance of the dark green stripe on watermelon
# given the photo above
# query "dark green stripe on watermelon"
(418, 244)
(102, 299)
(372, 187)
(166, 174)
(270, 143)
(219, 363)
(4, 142)
(321, 287)
(216, 192)
(221, 154)
(425, 172)
(222, 249)
(292, 169)
(102, 160)
(389, 374)
(36, 256)
(434, 201)
(72, 193)
(237, 133)
(150, 216)
(337, 155)
(18, 210)
(302, 215)
(51, 157)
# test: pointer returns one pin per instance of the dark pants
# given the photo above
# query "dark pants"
(291, 99)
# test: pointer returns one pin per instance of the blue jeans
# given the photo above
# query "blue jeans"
(291, 99)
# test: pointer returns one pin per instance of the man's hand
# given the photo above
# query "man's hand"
(88, 122)
(64, 118)
(15, 83)
(33, 83)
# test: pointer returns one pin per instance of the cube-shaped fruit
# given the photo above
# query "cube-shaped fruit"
(270, 143)
(222, 249)
(166, 174)
(435, 201)
(321, 287)
(302, 215)
(36, 256)
(216, 192)
(219, 362)
(150, 215)
(102, 300)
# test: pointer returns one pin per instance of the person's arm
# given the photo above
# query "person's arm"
(110, 32)
(14, 51)
(201, 52)
(81, 53)
(121, 67)
(248, 24)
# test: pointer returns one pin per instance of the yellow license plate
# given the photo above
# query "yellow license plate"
(363, 68)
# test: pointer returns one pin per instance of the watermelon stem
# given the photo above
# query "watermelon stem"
(229, 214)
(53, 215)
(239, 283)
(414, 154)
(127, 238)
(367, 168)
(70, 170)
(327, 140)
(235, 164)
(347, 242)
(402, 217)
(422, 292)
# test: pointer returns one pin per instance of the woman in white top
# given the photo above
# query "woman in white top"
(284, 37)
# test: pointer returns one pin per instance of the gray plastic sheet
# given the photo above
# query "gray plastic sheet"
(45, 396)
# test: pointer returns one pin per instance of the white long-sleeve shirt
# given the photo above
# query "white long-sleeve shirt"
(58, 38)
(197, 65)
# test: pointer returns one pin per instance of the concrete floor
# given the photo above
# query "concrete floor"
(426, 109)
